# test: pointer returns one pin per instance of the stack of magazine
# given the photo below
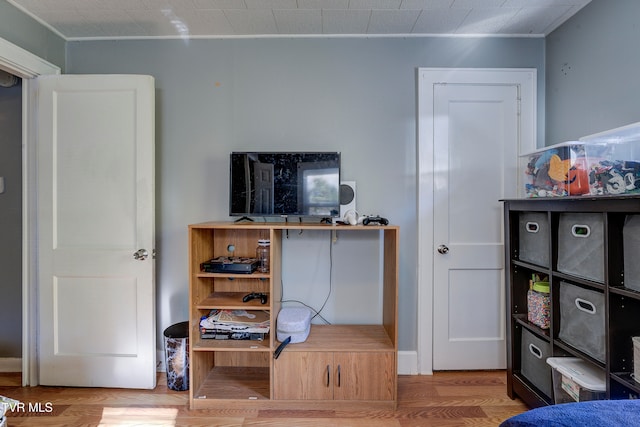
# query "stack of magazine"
(235, 325)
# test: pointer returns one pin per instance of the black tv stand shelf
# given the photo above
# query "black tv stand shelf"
(621, 304)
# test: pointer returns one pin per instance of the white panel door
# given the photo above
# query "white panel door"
(95, 210)
(472, 124)
(475, 134)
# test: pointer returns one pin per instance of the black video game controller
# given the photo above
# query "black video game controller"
(375, 219)
(255, 295)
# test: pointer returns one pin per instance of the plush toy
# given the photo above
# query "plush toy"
(558, 168)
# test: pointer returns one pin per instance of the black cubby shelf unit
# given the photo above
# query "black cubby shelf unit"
(595, 267)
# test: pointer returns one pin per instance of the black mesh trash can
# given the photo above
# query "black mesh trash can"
(176, 346)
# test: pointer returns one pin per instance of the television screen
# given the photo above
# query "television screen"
(285, 184)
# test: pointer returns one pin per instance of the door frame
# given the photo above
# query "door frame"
(27, 66)
(526, 78)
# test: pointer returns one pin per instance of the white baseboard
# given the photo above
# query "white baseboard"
(160, 361)
(10, 364)
(407, 363)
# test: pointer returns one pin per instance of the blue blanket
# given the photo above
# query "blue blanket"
(596, 413)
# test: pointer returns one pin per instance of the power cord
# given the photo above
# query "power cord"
(317, 312)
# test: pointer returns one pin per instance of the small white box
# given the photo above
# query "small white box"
(294, 322)
(575, 380)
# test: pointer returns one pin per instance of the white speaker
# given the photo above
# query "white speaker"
(347, 197)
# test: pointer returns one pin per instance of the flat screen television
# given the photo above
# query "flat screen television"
(304, 184)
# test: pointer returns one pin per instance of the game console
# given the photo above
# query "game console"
(230, 265)
(347, 197)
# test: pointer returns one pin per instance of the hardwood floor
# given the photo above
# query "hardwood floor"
(445, 399)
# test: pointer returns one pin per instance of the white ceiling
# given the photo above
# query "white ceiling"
(109, 19)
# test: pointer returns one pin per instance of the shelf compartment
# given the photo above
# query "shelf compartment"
(529, 392)
(534, 238)
(521, 276)
(246, 284)
(345, 338)
(203, 345)
(231, 301)
(529, 266)
(574, 352)
(254, 275)
(230, 345)
(533, 355)
(581, 245)
(624, 323)
(234, 383)
(623, 386)
(621, 290)
(583, 319)
(578, 280)
(522, 320)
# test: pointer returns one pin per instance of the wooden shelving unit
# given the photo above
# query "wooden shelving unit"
(337, 364)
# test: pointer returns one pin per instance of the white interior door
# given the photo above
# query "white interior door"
(475, 133)
(95, 210)
(470, 139)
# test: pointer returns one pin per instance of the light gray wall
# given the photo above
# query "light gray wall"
(11, 222)
(22, 30)
(593, 65)
(353, 95)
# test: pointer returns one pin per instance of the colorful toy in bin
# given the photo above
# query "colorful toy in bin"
(596, 165)
(560, 170)
(539, 302)
(615, 177)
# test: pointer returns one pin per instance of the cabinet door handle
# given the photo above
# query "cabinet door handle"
(338, 375)
(328, 370)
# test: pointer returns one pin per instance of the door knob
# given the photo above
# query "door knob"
(443, 249)
(141, 254)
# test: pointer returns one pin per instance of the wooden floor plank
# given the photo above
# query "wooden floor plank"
(474, 399)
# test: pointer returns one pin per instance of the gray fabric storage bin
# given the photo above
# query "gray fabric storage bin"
(581, 245)
(533, 238)
(534, 364)
(631, 244)
(582, 319)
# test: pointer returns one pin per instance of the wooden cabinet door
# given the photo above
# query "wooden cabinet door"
(364, 376)
(303, 376)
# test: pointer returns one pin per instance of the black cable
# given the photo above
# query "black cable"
(330, 276)
(317, 312)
